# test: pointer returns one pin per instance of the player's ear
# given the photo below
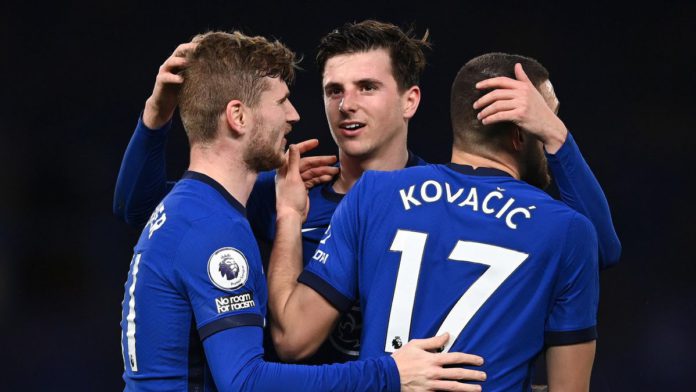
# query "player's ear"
(237, 116)
(410, 100)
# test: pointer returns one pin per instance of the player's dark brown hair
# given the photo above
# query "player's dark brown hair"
(227, 66)
(469, 133)
(405, 51)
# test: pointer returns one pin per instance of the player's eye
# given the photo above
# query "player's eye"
(333, 92)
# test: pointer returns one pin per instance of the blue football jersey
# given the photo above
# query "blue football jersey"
(343, 344)
(497, 263)
(195, 304)
(196, 270)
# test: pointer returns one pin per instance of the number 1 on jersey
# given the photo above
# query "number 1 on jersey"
(130, 317)
(502, 263)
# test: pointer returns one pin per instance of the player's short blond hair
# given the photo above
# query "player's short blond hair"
(224, 67)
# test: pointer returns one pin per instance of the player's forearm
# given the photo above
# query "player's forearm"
(377, 374)
(569, 367)
(284, 267)
(554, 140)
(235, 358)
(154, 117)
(141, 182)
(581, 191)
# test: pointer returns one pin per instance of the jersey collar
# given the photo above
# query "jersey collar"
(479, 171)
(329, 194)
(192, 175)
(414, 160)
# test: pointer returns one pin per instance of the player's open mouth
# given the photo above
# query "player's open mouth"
(351, 126)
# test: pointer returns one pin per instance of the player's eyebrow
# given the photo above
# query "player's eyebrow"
(333, 85)
(285, 97)
(369, 81)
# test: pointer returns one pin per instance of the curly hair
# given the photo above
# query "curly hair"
(405, 51)
(227, 66)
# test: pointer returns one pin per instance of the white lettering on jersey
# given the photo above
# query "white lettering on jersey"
(327, 235)
(234, 302)
(408, 198)
(320, 256)
(157, 219)
(424, 191)
(492, 203)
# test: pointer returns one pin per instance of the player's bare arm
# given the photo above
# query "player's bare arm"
(291, 304)
(569, 367)
(519, 101)
(160, 106)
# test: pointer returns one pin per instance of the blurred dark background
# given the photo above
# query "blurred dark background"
(75, 76)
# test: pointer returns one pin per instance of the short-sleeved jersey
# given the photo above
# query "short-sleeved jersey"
(343, 344)
(196, 270)
(497, 263)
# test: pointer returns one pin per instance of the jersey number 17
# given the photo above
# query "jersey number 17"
(502, 263)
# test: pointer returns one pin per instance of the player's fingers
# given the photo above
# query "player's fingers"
(322, 160)
(520, 74)
(174, 64)
(318, 172)
(307, 145)
(495, 107)
(317, 180)
(455, 358)
(183, 49)
(461, 374)
(509, 115)
(446, 385)
(170, 78)
(293, 159)
(283, 169)
(495, 95)
(431, 344)
(498, 82)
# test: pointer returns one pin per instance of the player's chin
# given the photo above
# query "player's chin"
(266, 162)
(355, 148)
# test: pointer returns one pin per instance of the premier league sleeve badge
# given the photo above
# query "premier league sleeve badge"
(228, 269)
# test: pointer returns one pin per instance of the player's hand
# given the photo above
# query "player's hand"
(291, 194)
(160, 106)
(518, 101)
(422, 370)
(315, 170)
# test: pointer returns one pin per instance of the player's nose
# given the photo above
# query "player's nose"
(348, 103)
(292, 115)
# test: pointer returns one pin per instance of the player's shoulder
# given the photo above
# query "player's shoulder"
(542, 199)
(196, 208)
(559, 218)
(411, 173)
(204, 228)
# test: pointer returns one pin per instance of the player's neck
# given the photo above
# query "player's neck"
(225, 166)
(352, 167)
(500, 161)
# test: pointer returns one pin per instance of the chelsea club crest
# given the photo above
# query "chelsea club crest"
(228, 269)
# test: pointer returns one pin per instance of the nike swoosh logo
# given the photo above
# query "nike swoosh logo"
(313, 228)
